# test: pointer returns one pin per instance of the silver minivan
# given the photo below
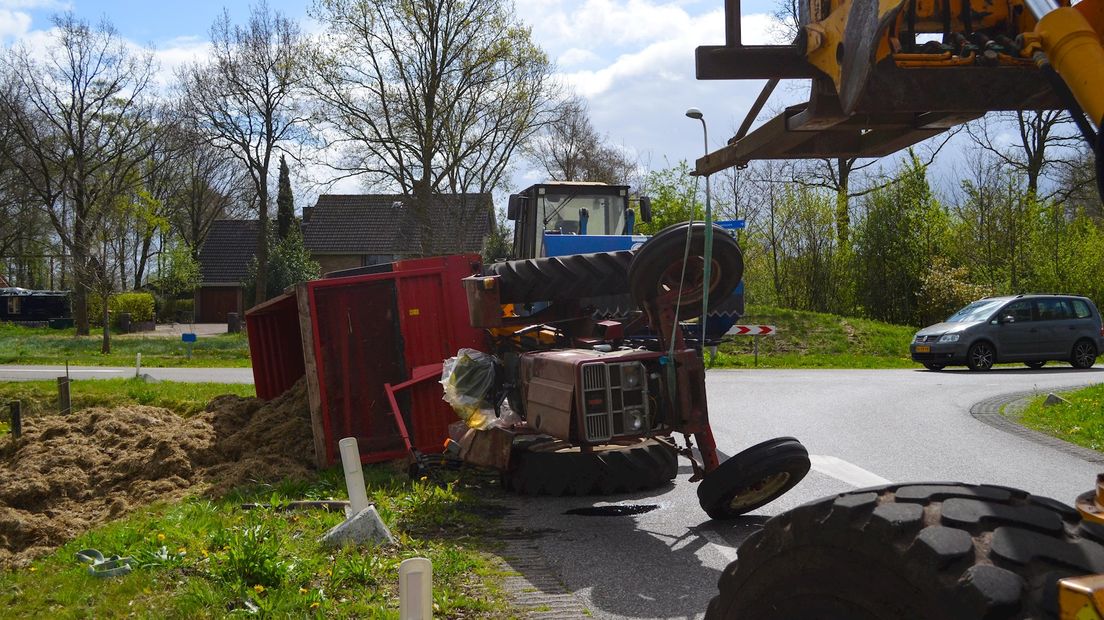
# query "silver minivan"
(1033, 329)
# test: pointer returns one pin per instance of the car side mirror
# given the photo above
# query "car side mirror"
(1008, 318)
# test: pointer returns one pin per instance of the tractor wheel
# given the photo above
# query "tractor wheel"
(753, 478)
(553, 467)
(928, 550)
(658, 269)
(556, 278)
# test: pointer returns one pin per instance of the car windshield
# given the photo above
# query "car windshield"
(977, 311)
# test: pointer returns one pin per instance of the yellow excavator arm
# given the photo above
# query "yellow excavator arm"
(887, 74)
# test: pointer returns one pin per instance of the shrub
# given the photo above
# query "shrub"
(139, 305)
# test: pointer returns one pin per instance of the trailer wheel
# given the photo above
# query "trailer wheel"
(753, 478)
(553, 467)
(553, 278)
(926, 550)
(658, 268)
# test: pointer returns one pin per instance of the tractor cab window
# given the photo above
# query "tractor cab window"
(560, 213)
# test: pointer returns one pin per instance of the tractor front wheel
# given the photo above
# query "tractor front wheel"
(923, 550)
(753, 478)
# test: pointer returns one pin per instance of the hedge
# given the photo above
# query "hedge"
(139, 305)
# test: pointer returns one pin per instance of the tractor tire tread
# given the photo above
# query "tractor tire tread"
(965, 551)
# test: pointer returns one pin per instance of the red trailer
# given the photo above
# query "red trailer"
(355, 335)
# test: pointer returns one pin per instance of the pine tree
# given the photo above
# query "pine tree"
(285, 204)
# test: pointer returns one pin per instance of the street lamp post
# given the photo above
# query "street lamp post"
(708, 253)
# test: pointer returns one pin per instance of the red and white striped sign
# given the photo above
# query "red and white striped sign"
(752, 330)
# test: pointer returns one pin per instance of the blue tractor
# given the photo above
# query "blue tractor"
(559, 219)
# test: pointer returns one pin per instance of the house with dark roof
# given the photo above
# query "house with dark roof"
(223, 267)
(343, 231)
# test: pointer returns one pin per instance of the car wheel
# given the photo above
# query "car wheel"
(935, 367)
(1034, 365)
(981, 356)
(1084, 354)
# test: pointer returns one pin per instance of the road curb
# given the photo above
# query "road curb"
(989, 411)
(532, 586)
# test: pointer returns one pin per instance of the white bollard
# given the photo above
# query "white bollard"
(138, 366)
(415, 589)
(354, 475)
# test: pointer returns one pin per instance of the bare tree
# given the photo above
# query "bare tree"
(80, 119)
(246, 101)
(570, 149)
(1044, 147)
(428, 96)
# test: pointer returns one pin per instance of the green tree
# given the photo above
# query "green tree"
(289, 264)
(180, 271)
(675, 198)
(285, 203)
(902, 231)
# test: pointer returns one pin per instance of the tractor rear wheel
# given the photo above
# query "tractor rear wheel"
(554, 278)
(553, 467)
(659, 273)
(925, 550)
(753, 478)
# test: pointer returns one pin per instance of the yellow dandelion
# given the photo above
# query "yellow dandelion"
(204, 552)
(160, 538)
(424, 478)
(33, 569)
(182, 550)
(258, 588)
(303, 590)
(315, 605)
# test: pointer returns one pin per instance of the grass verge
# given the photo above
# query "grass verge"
(40, 397)
(202, 558)
(817, 340)
(1081, 421)
(25, 345)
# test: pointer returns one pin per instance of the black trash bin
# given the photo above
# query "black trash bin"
(233, 323)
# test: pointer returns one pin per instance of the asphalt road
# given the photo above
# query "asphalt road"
(862, 427)
(188, 375)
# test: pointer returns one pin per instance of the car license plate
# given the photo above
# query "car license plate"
(923, 348)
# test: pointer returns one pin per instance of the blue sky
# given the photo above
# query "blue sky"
(631, 59)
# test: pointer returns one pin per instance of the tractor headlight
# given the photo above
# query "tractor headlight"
(633, 376)
(948, 338)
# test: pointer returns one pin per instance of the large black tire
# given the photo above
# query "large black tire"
(926, 550)
(658, 266)
(556, 468)
(981, 356)
(558, 278)
(1083, 354)
(753, 478)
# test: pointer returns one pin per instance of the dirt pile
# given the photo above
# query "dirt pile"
(67, 474)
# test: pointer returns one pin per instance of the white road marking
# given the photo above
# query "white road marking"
(720, 545)
(845, 472)
(72, 371)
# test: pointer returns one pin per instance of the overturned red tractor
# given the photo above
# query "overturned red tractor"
(599, 400)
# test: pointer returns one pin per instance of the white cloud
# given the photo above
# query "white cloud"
(576, 56)
(13, 24)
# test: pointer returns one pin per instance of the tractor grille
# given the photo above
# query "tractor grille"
(615, 400)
